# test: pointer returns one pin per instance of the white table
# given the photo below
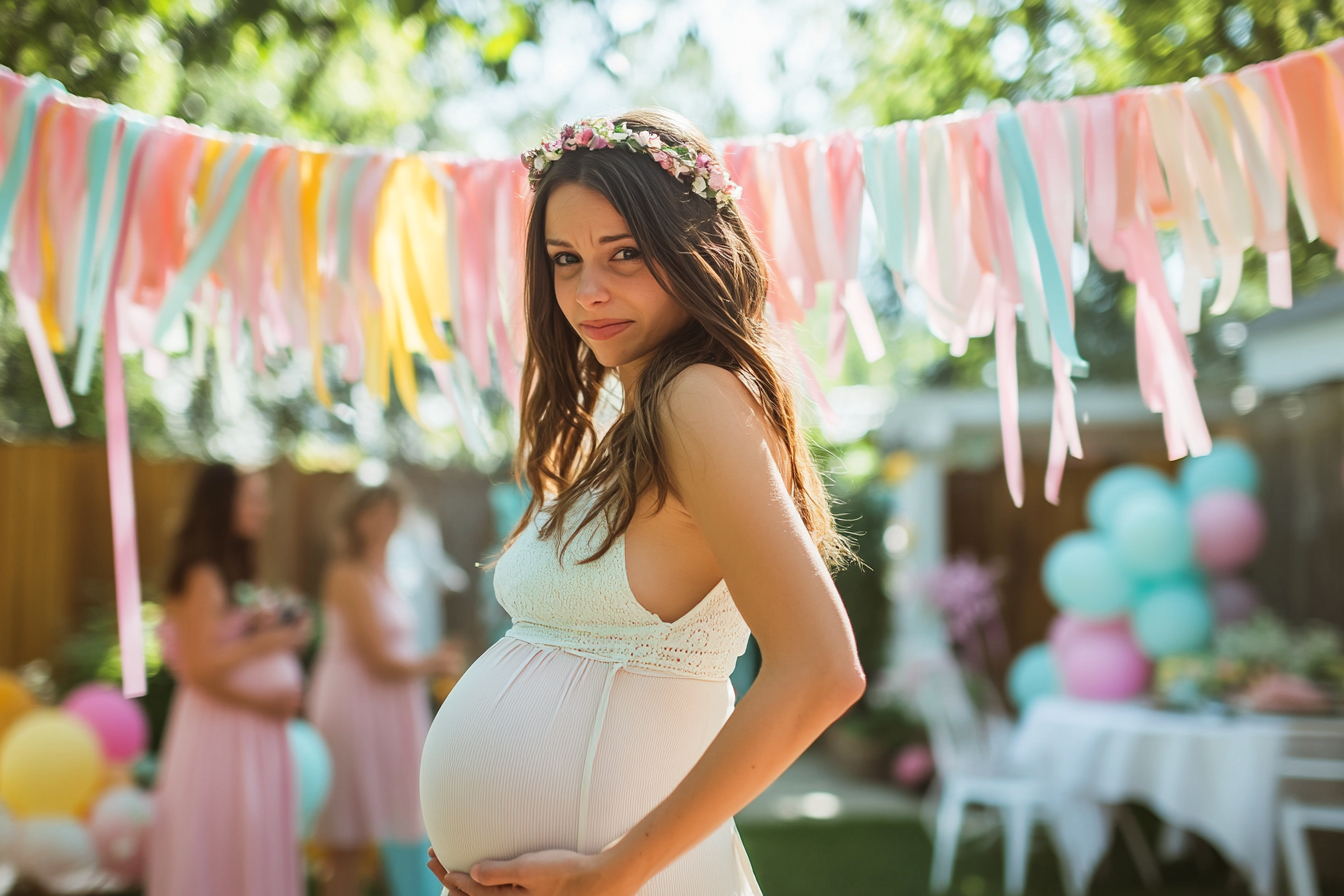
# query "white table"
(1215, 776)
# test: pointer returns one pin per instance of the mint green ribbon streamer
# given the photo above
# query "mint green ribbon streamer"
(345, 210)
(1024, 251)
(911, 191)
(97, 153)
(1014, 143)
(33, 95)
(882, 180)
(103, 262)
(199, 263)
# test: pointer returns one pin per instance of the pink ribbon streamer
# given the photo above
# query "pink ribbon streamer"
(126, 560)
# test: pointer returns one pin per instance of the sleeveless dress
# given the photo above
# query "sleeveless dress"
(226, 813)
(374, 728)
(584, 717)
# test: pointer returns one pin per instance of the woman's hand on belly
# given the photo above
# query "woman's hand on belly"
(551, 872)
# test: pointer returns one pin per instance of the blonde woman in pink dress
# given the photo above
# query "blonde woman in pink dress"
(595, 750)
(226, 814)
(368, 697)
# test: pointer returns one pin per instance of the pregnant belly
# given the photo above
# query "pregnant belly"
(503, 769)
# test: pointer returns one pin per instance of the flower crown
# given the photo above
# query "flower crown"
(705, 176)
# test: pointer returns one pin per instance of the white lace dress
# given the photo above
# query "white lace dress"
(584, 717)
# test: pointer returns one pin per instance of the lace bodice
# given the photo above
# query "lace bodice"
(589, 609)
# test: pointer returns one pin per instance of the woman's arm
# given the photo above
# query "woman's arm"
(347, 592)
(718, 449)
(206, 664)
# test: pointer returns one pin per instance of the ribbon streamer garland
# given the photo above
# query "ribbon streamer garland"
(122, 224)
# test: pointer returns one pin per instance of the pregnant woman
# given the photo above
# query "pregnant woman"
(225, 822)
(595, 749)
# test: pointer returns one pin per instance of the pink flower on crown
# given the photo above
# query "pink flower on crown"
(598, 142)
(717, 180)
(702, 161)
(584, 136)
(642, 138)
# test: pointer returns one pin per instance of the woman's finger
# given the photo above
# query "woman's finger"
(456, 880)
(494, 873)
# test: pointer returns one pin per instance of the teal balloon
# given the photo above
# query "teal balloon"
(1114, 486)
(1033, 675)
(1173, 620)
(312, 767)
(1152, 535)
(1230, 466)
(1083, 575)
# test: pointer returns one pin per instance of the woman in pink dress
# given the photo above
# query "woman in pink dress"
(226, 814)
(369, 698)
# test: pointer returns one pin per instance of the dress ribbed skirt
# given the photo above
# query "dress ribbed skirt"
(226, 818)
(536, 748)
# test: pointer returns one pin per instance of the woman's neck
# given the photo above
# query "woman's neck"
(628, 374)
(375, 556)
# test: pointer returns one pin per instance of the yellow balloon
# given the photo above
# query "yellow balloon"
(14, 700)
(50, 764)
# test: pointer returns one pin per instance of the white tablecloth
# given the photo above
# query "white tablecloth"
(1215, 776)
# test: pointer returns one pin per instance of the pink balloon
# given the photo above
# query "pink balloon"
(1229, 530)
(1234, 600)
(119, 826)
(1104, 664)
(912, 766)
(121, 725)
(1066, 629)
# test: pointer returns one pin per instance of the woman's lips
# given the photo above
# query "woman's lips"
(604, 329)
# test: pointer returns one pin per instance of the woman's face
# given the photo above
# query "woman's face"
(377, 523)
(603, 283)
(251, 506)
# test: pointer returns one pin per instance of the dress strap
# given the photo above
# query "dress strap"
(586, 789)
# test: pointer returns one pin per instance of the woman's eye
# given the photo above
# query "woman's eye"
(564, 259)
(627, 253)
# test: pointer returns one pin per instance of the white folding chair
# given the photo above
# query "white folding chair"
(1297, 817)
(972, 772)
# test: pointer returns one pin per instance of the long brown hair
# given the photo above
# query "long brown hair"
(707, 259)
(207, 534)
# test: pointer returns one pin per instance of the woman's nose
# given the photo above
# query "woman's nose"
(592, 289)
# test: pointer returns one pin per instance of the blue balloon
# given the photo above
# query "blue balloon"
(1082, 574)
(1033, 675)
(1152, 535)
(312, 767)
(1230, 466)
(1114, 486)
(1173, 620)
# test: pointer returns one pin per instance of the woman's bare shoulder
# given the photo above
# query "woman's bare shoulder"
(703, 393)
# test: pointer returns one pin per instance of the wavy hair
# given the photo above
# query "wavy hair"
(708, 260)
(207, 534)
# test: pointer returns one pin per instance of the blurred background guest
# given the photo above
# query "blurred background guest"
(369, 699)
(226, 819)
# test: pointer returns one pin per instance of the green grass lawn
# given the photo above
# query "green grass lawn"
(891, 857)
